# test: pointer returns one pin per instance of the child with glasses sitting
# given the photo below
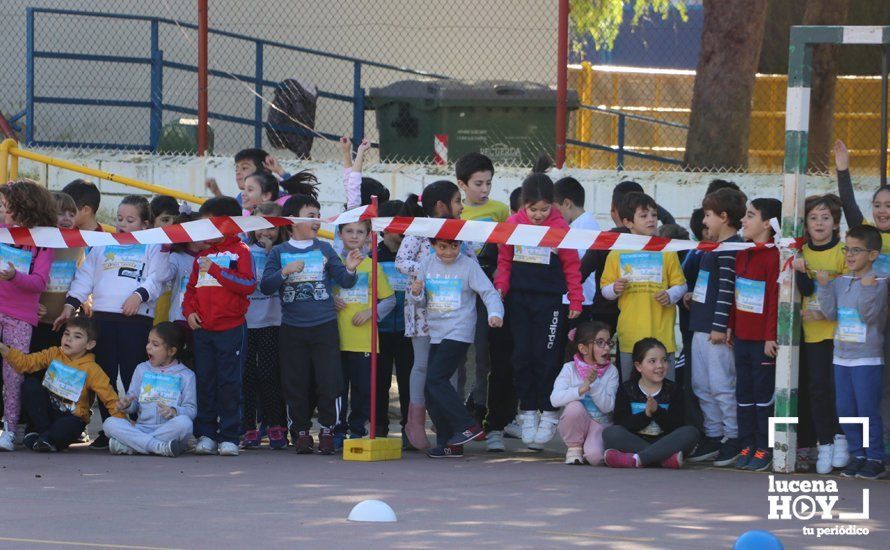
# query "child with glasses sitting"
(586, 389)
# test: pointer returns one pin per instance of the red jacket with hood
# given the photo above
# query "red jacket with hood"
(220, 298)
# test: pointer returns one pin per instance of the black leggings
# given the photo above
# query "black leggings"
(820, 388)
(395, 351)
(620, 438)
(261, 379)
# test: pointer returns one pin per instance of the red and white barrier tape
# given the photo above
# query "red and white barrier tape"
(462, 230)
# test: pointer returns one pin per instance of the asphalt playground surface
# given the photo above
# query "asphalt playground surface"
(276, 499)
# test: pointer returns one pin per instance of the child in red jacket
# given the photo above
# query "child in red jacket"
(752, 320)
(533, 280)
(215, 303)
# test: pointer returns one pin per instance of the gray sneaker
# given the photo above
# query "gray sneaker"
(228, 449)
(205, 446)
(494, 441)
(513, 430)
(116, 447)
(171, 448)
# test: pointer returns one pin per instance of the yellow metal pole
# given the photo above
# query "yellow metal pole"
(4, 159)
(586, 132)
(64, 164)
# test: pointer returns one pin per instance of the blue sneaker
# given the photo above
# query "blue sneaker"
(339, 438)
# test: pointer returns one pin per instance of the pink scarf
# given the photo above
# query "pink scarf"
(584, 369)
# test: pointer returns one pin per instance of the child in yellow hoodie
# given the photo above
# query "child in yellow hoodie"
(59, 407)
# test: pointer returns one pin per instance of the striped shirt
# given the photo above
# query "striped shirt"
(712, 314)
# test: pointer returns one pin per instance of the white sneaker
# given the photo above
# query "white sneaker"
(529, 423)
(227, 448)
(546, 427)
(823, 462)
(117, 447)
(171, 448)
(575, 455)
(514, 430)
(494, 441)
(7, 441)
(841, 456)
(205, 446)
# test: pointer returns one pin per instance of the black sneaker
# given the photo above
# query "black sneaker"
(448, 451)
(873, 469)
(856, 463)
(728, 453)
(744, 458)
(471, 433)
(304, 443)
(100, 443)
(761, 461)
(707, 449)
(30, 440)
(44, 446)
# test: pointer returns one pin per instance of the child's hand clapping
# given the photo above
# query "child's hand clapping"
(417, 287)
(663, 298)
(588, 381)
(166, 412)
(651, 406)
(353, 259)
(361, 318)
(295, 266)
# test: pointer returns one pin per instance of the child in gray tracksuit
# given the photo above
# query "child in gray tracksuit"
(163, 393)
(858, 301)
(447, 284)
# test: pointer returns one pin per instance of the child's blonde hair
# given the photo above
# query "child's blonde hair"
(64, 202)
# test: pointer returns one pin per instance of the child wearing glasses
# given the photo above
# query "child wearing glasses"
(858, 302)
(586, 389)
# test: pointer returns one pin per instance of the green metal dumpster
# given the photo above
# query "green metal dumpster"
(441, 120)
(180, 137)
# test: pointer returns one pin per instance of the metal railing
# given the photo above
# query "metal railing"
(621, 150)
(155, 102)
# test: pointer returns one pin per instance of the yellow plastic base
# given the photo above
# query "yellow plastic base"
(372, 450)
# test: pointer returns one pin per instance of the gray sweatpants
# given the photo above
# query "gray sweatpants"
(713, 381)
(621, 439)
(144, 439)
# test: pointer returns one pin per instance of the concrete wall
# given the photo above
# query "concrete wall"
(499, 39)
(680, 193)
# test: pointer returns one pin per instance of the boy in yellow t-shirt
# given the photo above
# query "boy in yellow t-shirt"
(823, 252)
(647, 285)
(354, 321)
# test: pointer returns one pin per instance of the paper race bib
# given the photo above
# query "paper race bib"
(700, 292)
(882, 264)
(594, 412)
(642, 267)
(813, 301)
(749, 295)
(128, 260)
(20, 259)
(532, 254)
(223, 259)
(443, 294)
(398, 281)
(259, 262)
(850, 327)
(653, 428)
(313, 266)
(160, 388)
(358, 294)
(60, 276)
(65, 382)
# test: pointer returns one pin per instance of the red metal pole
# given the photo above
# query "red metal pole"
(562, 60)
(373, 325)
(202, 77)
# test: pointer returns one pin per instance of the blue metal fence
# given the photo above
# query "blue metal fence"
(155, 102)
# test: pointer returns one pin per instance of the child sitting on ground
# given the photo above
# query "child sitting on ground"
(586, 387)
(163, 394)
(58, 403)
(648, 415)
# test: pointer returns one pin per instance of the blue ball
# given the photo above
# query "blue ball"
(758, 540)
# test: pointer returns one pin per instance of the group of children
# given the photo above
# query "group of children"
(232, 337)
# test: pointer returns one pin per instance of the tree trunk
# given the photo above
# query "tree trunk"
(724, 83)
(825, 68)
